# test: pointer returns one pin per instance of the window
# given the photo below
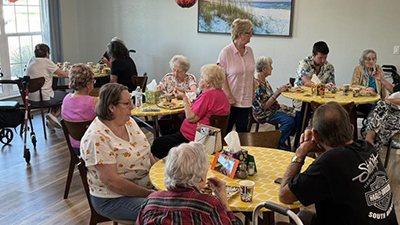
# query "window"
(22, 27)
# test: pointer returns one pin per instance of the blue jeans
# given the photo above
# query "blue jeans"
(123, 208)
(288, 125)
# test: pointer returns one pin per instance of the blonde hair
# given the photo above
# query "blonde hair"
(79, 76)
(213, 74)
(240, 26)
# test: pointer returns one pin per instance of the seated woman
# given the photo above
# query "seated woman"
(185, 174)
(106, 59)
(265, 106)
(79, 106)
(122, 66)
(41, 66)
(212, 101)
(362, 77)
(383, 122)
(117, 155)
(179, 79)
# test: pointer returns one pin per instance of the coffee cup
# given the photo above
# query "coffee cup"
(246, 190)
(356, 92)
(346, 88)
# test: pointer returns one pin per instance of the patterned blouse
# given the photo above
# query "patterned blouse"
(263, 93)
(307, 68)
(101, 146)
(169, 82)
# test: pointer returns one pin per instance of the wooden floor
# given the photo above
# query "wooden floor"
(33, 194)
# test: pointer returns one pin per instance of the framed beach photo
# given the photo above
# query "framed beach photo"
(269, 17)
(225, 164)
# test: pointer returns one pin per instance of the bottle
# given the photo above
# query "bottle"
(251, 169)
(138, 97)
(242, 174)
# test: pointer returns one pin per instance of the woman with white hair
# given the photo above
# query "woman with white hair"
(179, 79)
(362, 77)
(212, 101)
(238, 61)
(185, 174)
(266, 107)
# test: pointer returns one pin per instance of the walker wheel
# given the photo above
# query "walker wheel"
(33, 139)
(27, 156)
(6, 136)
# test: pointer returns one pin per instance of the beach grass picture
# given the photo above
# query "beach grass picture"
(269, 17)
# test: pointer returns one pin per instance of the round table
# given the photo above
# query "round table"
(155, 128)
(339, 97)
(271, 164)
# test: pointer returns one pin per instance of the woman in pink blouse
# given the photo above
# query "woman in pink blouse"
(179, 79)
(238, 61)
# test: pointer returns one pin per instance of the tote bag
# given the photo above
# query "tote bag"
(210, 137)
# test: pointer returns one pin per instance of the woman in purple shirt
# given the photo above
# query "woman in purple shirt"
(79, 106)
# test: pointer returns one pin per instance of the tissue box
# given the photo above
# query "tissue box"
(318, 89)
(152, 97)
(240, 155)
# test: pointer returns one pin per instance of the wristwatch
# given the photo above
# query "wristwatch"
(297, 159)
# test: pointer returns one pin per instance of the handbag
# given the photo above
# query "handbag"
(210, 137)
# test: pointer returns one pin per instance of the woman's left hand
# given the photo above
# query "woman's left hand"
(370, 89)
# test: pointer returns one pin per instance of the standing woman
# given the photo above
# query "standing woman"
(238, 61)
(362, 76)
(122, 66)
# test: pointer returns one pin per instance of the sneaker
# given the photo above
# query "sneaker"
(48, 125)
(395, 144)
(53, 120)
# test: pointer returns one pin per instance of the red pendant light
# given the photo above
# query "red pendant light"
(185, 3)
(12, 1)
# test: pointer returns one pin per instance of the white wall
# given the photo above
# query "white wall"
(157, 30)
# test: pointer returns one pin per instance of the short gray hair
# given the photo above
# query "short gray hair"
(213, 74)
(365, 54)
(109, 95)
(262, 62)
(79, 76)
(181, 61)
(186, 165)
(240, 26)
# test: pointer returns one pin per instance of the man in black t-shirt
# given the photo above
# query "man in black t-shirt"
(347, 183)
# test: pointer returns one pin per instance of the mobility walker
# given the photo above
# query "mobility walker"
(276, 208)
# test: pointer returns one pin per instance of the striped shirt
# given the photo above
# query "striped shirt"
(183, 206)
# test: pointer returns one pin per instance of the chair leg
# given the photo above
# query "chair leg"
(71, 169)
(388, 152)
(44, 125)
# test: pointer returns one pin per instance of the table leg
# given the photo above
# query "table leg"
(268, 218)
(156, 127)
(306, 112)
(353, 120)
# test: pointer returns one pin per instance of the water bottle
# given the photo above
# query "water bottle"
(138, 98)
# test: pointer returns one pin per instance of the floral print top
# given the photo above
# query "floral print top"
(307, 68)
(169, 82)
(263, 93)
(100, 146)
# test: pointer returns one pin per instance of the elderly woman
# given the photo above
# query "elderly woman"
(384, 120)
(179, 79)
(362, 77)
(238, 61)
(266, 107)
(79, 106)
(117, 155)
(212, 101)
(122, 66)
(41, 66)
(185, 174)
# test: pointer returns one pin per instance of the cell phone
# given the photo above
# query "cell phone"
(278, 180)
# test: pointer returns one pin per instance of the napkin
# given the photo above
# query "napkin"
(191, 96)
(315, 79)
(152, 86)
(232, 139)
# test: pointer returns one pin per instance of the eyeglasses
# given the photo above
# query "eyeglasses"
(127, 104)
(248, 33)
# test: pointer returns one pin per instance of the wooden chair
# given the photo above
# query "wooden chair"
(140, 81)
(94, 216)
(76, 130)
(36, 85)
(221, 122)
(267, 139)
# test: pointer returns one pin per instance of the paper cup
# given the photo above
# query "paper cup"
(356, 92)
(346, 88)
(246, 190)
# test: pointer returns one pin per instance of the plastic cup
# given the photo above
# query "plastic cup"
(246, 190)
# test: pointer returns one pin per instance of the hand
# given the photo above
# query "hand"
(377, 75)
(306, 136)
(178, 93)
(284, 88)
(232, 99)
(219, 188)
(104, 60)
(308, 145)
(370, 89)
(330, 85)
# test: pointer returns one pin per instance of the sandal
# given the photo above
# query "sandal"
(395, 144)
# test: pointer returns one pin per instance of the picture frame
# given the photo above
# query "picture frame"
(225, 165)
(269, 17)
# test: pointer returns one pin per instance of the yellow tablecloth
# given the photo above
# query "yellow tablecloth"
(271, 164)
(338, 97)
(163, 111)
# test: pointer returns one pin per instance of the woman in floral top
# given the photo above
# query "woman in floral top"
(179, 79)
(266, 107)
(117, 155)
